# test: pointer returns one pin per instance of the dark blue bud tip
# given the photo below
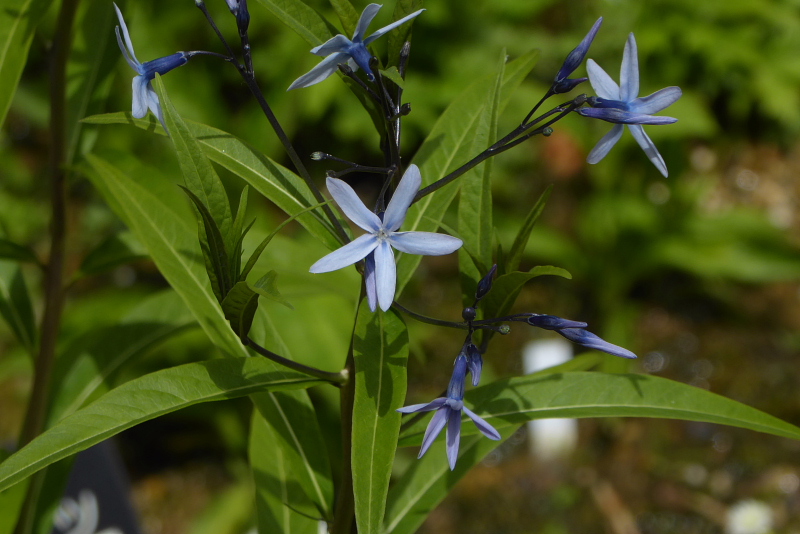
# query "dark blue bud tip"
(469, 314)
(485, 285)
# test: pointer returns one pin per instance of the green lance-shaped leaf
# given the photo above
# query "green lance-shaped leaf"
(172, 244)
(506, 289)
(240, 307)
(146, 398)
(300, 439)
(15, 305)
(18, 22)
(514, 257)
(116, 250)
(301, 18)
(582, 394)
(401, 34)
(283, 187)
(475, 224)
(267, 287)
(277, 492)
(200, 177)
(347, 15)
(380, 349)
(93, 58)
(239, 231)
(448, 146)
(215, 252)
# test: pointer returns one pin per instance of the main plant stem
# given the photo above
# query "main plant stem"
(36, 416)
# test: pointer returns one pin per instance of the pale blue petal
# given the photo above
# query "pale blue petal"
(127, 38)
(134, 65)
(649, 148)
(140, 100)
(605, 144)
(485, 428)
(436, 425)
(629, 72)
(425, 243)
(365, 20)
(391, 26)
(398, 206)
(601, 82)
(337, 43)
(619, 116)
(435, 404)
(453, 438)
(657, 101)
(369, 282)
(352, 252)
(155, 105)
(352, 206)
(326, 67)
(385, 275)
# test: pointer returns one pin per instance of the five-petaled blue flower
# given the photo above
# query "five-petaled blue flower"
(621, 105)
(340, 49)
(380, 272)
(144, 96)
(448, 412)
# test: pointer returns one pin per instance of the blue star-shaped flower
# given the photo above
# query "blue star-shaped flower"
(621, 104)
(340, 49)
(144, 96)
(380, 272)
(448, 412)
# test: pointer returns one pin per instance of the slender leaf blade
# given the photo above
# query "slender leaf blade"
(521, 240)
(506, 288)
(13, 251)
(301, 18)
(15, 305)
(590, 394)
(275, 485)
(347, 15)
(380, 349)
(146, 398)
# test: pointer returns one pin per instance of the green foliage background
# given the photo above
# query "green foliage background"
(698, 271)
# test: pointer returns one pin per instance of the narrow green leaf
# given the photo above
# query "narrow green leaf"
(299, 437)
(146, 398)
(12, 251)
(347, 15)
(91, 360)
(281, 186)
(506, 289)
(475, 223)
(394, 75)
(15, 305)
(275, 485)
(117, 250)
(93, 58)
(267, 287)
(401, 34)
(240, 306)
(172, 243)
(430, 479)
(215, 251)
(239, 232)
(301, 18)
(200, 177)
(380, 349)
(18, 22)
(447, 147)
(11, 501)
(515, 254)
(589, 394)
(173, 246)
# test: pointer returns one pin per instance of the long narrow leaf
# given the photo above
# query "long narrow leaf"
(581, 394)
(146, 398)
(380, 349)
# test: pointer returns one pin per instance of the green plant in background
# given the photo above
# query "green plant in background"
(302, 474)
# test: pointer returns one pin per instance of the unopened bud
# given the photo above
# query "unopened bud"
(469, 314)
(486, 283)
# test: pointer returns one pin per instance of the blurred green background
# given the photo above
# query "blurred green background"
(698, 273)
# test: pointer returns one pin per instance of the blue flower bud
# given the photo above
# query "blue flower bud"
(563, 84)
(551, 322)
(485, 285)
(475, 363)
(455, 390)
(592, 341)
